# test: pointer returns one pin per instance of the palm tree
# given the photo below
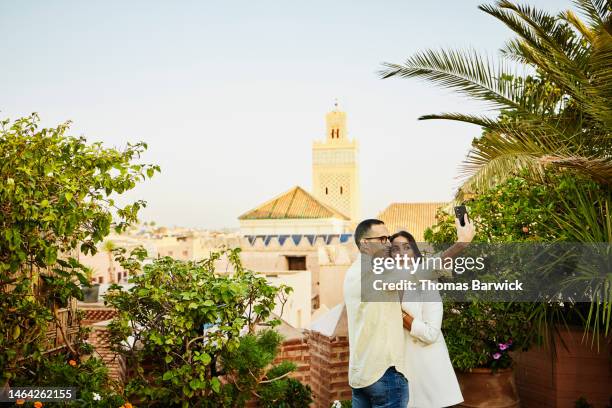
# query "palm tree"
(109, 246)
(559, 115)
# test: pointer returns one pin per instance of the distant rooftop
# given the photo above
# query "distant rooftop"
(296, 203)
(412, 217)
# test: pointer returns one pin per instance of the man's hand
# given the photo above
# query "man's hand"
(465, 233)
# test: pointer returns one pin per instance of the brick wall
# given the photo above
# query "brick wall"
(328, 368)
(99, 339)
(97, 316)
(296, 350)
(322, 363)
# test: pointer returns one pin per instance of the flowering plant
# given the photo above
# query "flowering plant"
(94, 388)
(501, 356)
(482, 334)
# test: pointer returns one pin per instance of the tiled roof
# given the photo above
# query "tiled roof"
(411, 217)
(295, 203)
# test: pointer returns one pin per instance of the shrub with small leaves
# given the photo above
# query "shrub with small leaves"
(188, 334)
(57, 195)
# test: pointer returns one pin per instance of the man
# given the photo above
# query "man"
(376, 338)
(377, 373)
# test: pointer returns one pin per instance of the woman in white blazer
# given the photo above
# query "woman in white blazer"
(431, 378)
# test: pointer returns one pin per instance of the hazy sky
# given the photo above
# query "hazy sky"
(229, 95)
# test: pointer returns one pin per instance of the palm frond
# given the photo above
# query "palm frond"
(496, 170)
(483, 121)
(543, 36)
(464, 71)
(553, 48)
(560, 116)
(597, 11)
(598, 168)
(585, 31)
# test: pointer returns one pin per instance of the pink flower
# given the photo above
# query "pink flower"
(503, 346)
(497, 356)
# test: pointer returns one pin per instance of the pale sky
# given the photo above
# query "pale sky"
(229, 95)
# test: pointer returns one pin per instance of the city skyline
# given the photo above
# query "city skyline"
(230, 96)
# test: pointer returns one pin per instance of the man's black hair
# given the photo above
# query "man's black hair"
(364, 227)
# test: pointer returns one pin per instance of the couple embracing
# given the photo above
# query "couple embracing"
(398, 356)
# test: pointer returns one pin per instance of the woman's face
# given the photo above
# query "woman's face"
(400, 246)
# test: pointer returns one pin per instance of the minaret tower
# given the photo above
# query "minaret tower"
(335, 167)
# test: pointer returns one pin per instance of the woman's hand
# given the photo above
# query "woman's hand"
(466, 232)
(407, 320)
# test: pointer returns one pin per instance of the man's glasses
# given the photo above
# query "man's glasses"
(382, 239)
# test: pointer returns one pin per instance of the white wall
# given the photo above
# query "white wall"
(294, 226)
(297, 310)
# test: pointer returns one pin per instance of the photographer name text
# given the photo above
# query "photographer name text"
(428, 285)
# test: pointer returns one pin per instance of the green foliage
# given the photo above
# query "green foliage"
(521, 209)
(87, 376)
(557, 117)
(248, 366)
(55, 198)
(285, 393)
(188, 334)
(562, 206)
(582, 403)
(480, 334)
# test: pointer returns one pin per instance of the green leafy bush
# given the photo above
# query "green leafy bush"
(55, 198)
(189, 336)
(521, 209)
(88, 376)
(481, 334)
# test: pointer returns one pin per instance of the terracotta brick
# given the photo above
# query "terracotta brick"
(544, 381)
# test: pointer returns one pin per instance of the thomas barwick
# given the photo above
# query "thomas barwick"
(428, 285)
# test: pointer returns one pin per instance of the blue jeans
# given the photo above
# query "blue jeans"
(390, 391)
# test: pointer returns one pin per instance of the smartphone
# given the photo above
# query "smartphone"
(460, 211)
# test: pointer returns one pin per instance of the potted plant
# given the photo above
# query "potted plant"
(480, 337)
(91, 292)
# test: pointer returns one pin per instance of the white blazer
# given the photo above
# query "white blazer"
(431, 378)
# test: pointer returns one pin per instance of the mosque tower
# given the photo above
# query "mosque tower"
(335, 167)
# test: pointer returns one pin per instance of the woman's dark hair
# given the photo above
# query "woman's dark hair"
(411, 242)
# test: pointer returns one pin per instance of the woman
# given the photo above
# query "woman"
(431, 379)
